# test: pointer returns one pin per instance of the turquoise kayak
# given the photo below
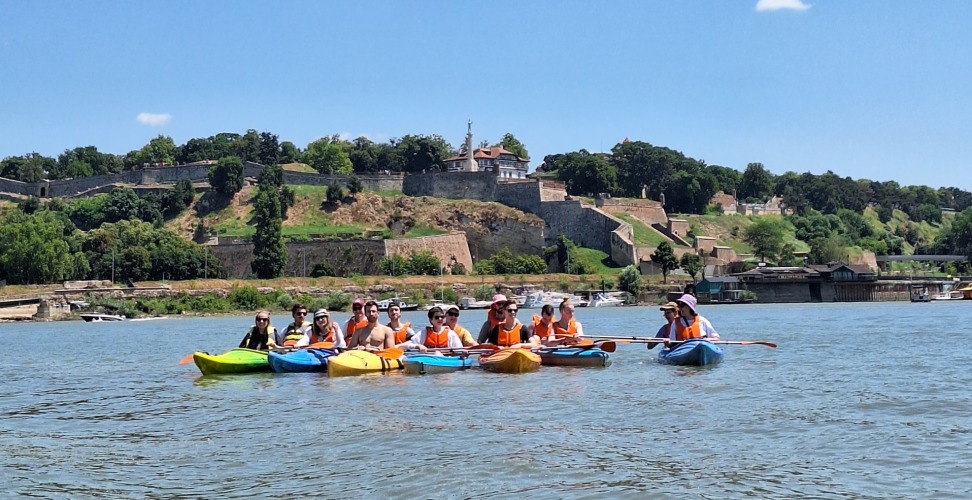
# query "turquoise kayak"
(699, 352)
(421, 364)
(574, 356)
(301, 360)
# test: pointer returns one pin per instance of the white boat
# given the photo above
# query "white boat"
(601, 300)
(472, 303)
(99, 317)
(954, 295)
(383, 305)
(542, 298)
(436, 304)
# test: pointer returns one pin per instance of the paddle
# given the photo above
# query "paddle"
(655, 340)
(187, 359)
(604, 345)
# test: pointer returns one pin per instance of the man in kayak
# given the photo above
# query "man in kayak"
(495, 316)
(689, 324)
(669, 311)
(542, 325)
(294, 331)
(373, 336)
(403, 331)
(511, 332)
(452, 321)
(357, 319)
(437, 335)
(260, 336)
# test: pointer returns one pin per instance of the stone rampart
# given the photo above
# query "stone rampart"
(523, 194)
(454, 185)
(647, 211)
(704, 244)
(446, 247)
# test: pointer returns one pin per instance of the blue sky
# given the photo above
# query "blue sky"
(868, 89)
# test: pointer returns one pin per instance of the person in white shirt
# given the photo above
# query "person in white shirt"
(690, 324)
(322, 330)
(437, 335)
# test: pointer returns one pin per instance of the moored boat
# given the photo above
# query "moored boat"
(511, 361)
(421, 364)
(698, 352)
(350, 363)
(301, 360)
(99, 317)
(575, 356)
(234, 361)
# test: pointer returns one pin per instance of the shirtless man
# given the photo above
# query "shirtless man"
(374, 336)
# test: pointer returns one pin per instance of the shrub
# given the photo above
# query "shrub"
(246, 298)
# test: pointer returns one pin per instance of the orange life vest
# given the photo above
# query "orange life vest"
(571, 330)
(315, 337)
(400, 334)
(352, 326)
(434, 340)
(685, 332)
(541, 329)
(505, 338)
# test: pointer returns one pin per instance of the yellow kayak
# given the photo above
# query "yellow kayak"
(359, 362)
(511, 361)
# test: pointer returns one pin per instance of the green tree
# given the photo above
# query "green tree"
(664, 257)
(289, 152)
(630, 280)
(422, 153)
(183, 192)
(328, 156)
(33, 248)
(766, 237)
(424, 262)
(269, 150)
(393, 265)
(159, 151)
(354, 185)
(269, 252)
(513, 145)
(756, 183)
(226, 177)
(692, 264)
(584, 173)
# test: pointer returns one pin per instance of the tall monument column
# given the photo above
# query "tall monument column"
(471, 165)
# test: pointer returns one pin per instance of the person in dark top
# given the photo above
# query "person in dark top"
(511, 332)
(260, 335)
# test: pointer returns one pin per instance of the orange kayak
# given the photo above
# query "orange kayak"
(511, 361)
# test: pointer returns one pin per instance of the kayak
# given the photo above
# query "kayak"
(692, 353)
(358, 363)
(511, 361)
(301, 360)
(421, 364)
(574, 357)
(237, 360)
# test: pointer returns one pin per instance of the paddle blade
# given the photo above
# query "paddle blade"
(390, 353)
(607, 346)
(187, 359)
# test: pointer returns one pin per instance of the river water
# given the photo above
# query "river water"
(863, 400)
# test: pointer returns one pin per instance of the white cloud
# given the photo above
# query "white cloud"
(153, 119)
(768, 5)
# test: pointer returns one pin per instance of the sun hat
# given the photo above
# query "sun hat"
(670, 305)
(688, 300)
(358, 302)
(499, 297)
(453, 308)
(320, 313)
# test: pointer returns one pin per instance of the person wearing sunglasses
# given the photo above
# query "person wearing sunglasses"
(374, 336)
(323, 330)
(511, 332)
(542, 325)
(436, 335)
(403, 331)
(295, 330)
(495, 316)
(260, 336)
(357, 320)
(452, 321)
(689, 324)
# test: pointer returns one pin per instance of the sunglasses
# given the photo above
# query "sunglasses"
(301, 313)
(438, 316)
(320, 318)
(454, 315)
(263, 319)
(511, 311)
(357, 308)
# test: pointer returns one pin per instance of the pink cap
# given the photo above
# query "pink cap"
(358, 302)
(499, 297)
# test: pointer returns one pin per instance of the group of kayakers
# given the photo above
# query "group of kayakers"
(363, 331)
(683, 322)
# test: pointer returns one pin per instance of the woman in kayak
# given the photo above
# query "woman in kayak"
(690, 324)
(260, 336)
(567, 326)
(322, 330)
(511, 332)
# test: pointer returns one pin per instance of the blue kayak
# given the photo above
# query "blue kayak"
(421, 364)
(691, 353)
(301, 360)
(574, 356)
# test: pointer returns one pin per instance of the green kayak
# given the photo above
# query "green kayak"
(237, 360)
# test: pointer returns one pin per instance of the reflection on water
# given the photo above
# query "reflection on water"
(859, 400)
